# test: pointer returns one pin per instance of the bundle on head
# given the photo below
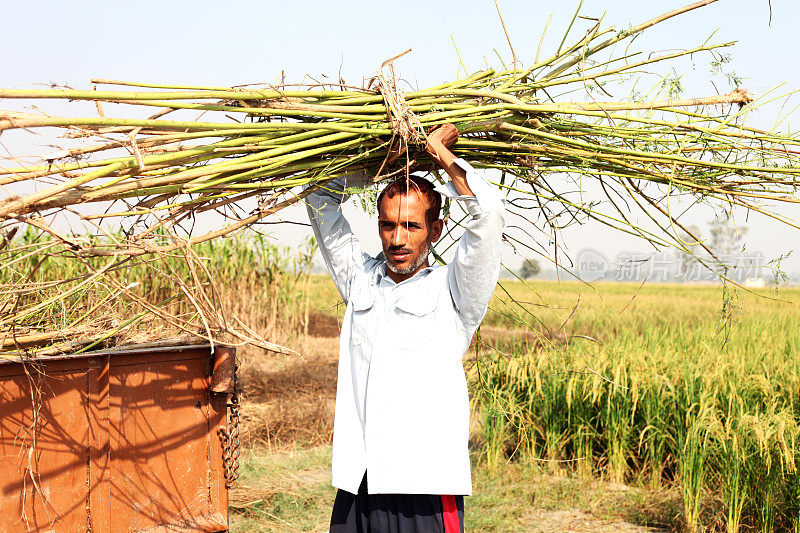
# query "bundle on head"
(244, 152)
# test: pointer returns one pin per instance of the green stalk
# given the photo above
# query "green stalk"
(646, 155)
(275, 162)
(9, 123)
(110, 96)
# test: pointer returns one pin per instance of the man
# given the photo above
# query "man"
(400, 456)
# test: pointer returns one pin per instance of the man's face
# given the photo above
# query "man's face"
(405, 235)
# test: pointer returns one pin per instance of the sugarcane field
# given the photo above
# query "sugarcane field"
(580, 310)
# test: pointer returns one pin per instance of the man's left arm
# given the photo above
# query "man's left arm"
(474, 271)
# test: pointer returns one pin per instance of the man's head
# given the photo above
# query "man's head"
(408, 222)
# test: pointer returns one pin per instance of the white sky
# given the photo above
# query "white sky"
(235, 42)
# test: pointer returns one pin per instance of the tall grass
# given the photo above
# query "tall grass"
(249, 279)
(654, 398)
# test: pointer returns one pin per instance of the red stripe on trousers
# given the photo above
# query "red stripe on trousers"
(450, 515)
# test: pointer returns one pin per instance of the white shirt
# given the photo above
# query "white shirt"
(402, 408)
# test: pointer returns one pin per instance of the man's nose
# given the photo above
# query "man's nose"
(399, 236)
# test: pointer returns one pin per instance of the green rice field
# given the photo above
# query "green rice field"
(693, 387)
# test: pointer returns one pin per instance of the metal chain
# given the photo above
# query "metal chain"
(229, 436)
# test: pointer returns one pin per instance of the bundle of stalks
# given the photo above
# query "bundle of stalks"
(257, 145)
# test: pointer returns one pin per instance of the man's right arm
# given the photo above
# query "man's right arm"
(338, 245)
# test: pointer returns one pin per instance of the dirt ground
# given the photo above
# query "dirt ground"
(288, 408)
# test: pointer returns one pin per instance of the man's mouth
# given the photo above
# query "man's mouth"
(399, 255)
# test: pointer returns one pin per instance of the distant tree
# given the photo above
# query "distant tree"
(725, 236)
(724, 239)
(727, 242)
(530, 269)
(688, 260)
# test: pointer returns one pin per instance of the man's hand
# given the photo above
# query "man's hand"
(438, 147)
(445, 136)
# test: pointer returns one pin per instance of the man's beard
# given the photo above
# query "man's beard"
(412, 267)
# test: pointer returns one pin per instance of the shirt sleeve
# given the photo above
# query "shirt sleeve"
(338, 245)
(473, 273)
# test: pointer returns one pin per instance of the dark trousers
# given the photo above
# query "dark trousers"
(396, 513)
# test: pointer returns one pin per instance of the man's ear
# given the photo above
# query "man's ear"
(436, 230)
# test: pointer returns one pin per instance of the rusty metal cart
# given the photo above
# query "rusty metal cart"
(129, 439)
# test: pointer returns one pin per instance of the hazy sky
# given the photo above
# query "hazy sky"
(235, 42)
